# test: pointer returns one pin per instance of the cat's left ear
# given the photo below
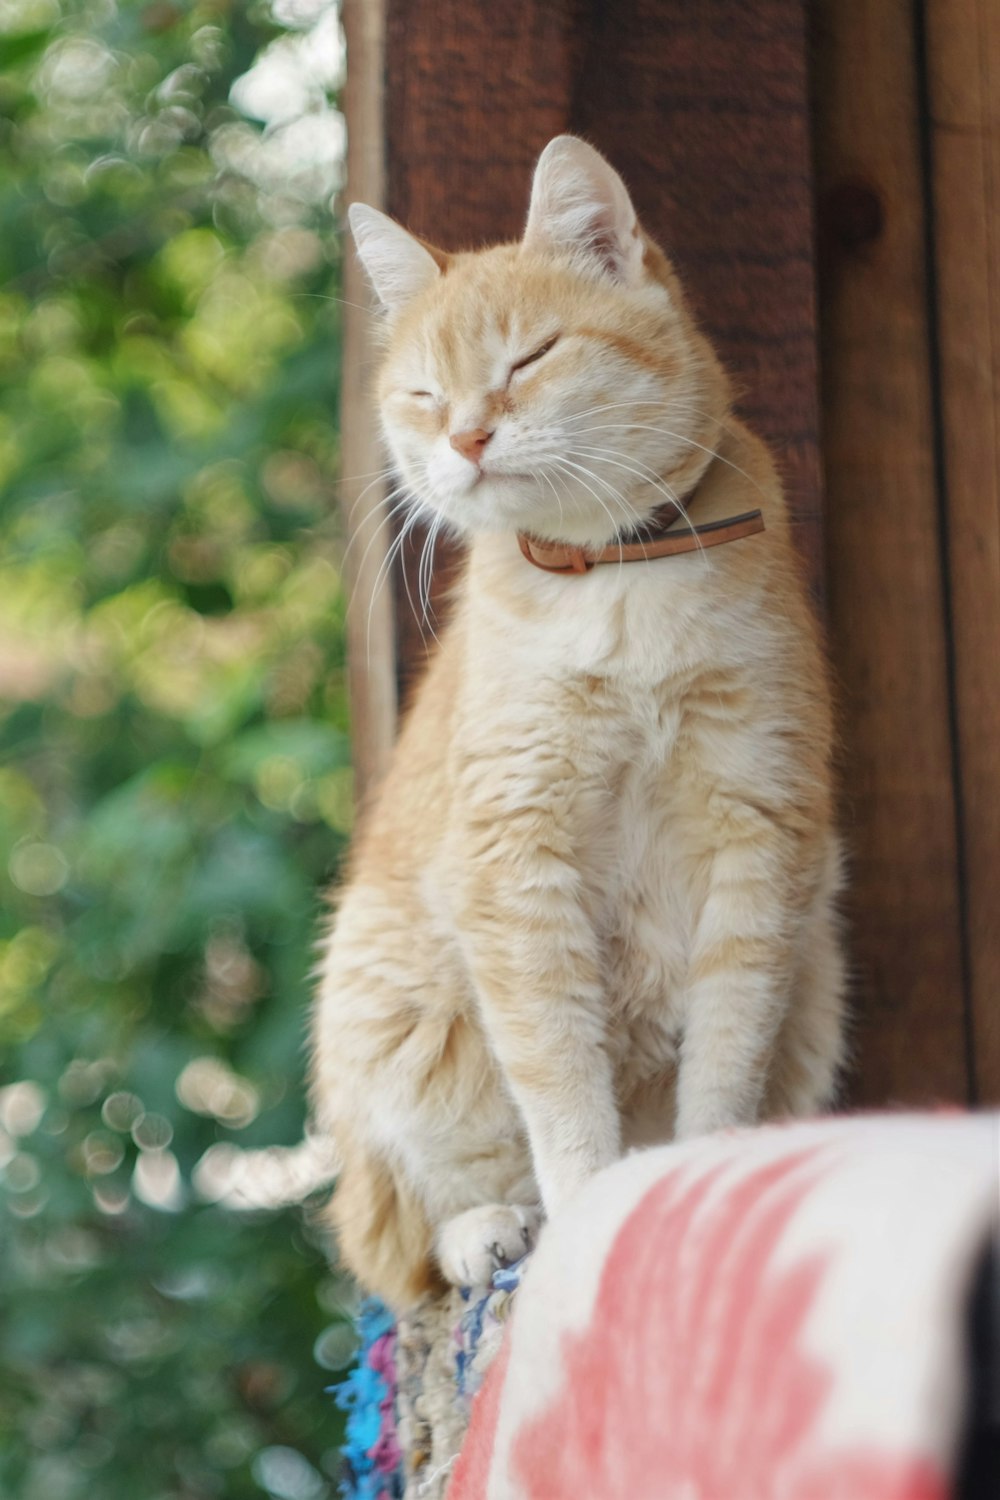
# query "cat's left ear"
(399, 266)
(580, 207)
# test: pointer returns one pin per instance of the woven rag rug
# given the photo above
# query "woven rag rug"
(776, 1314)
(410, 1393)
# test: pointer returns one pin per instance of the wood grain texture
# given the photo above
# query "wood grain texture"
(963, 58)
(473, 94)
(885, 585)
(704, 110)
(371, 645)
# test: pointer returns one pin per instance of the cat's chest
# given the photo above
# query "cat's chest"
(639, 869)
(636, 625)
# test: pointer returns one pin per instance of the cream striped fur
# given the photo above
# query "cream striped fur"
(593, 905)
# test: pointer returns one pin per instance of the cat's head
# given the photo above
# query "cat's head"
(557, 386)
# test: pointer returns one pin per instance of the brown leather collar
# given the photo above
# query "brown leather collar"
(661, 541)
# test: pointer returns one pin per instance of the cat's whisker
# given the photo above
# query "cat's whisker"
(383, 474)
(386, 499)
(393, 503)
(326, 297)
(557, 474)
(631, 518)
(370, 474)
(642, 471)
(683, 405)
(419, 608)
(425, 572)
(414, 611)
(386, 562)
(659, 401)
(436, 530)
(391, 551)
(374, 506)
(630, 512)
(635, 405)
(427, 565)
(410, 497)
(683, 438)
(598, 479)
(555, 493)
(563, 462)
(377, 523)
(667, 432)
(385, 569)
(680, 403)
(651, 477)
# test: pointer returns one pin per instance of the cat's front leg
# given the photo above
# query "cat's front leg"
(741, 968)
(534, 959)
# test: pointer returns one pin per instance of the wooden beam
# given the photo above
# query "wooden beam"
(963, 60)
(886, 594)
(371, 651)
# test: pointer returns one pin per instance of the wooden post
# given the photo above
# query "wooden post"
(705, 110)
(963, 59)
(371, 651)
(886, 596)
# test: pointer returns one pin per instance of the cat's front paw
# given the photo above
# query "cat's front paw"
(473, 1245)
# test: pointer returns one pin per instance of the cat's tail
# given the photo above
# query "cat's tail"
(382, 1228)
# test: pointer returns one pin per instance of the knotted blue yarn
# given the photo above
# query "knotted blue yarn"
(373, 1463)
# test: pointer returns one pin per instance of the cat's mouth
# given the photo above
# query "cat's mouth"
(494, 474)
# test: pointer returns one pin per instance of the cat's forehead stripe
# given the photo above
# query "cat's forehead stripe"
(662, 362)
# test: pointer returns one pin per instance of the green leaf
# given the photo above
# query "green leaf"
(21, 48)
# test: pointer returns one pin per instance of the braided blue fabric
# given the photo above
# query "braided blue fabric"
(373, 1458)
(373, 1461)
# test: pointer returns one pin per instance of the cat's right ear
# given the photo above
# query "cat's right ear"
(580, 207)
(398, 265)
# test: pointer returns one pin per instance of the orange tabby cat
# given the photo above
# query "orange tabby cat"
(594, 905)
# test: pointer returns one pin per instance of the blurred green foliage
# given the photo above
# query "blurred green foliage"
(174, 766)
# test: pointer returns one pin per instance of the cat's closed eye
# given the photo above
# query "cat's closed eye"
(535, 355)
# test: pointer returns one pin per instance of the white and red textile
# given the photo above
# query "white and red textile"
(772, 1314)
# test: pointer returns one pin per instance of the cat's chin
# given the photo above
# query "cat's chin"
(504, 504)
(495, 503)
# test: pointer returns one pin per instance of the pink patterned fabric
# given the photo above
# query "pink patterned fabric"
(764, 1315)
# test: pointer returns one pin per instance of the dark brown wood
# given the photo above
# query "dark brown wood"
(963, 57)
(704, 110)
(886, 590)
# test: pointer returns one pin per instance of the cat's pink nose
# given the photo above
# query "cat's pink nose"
(470, 444)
